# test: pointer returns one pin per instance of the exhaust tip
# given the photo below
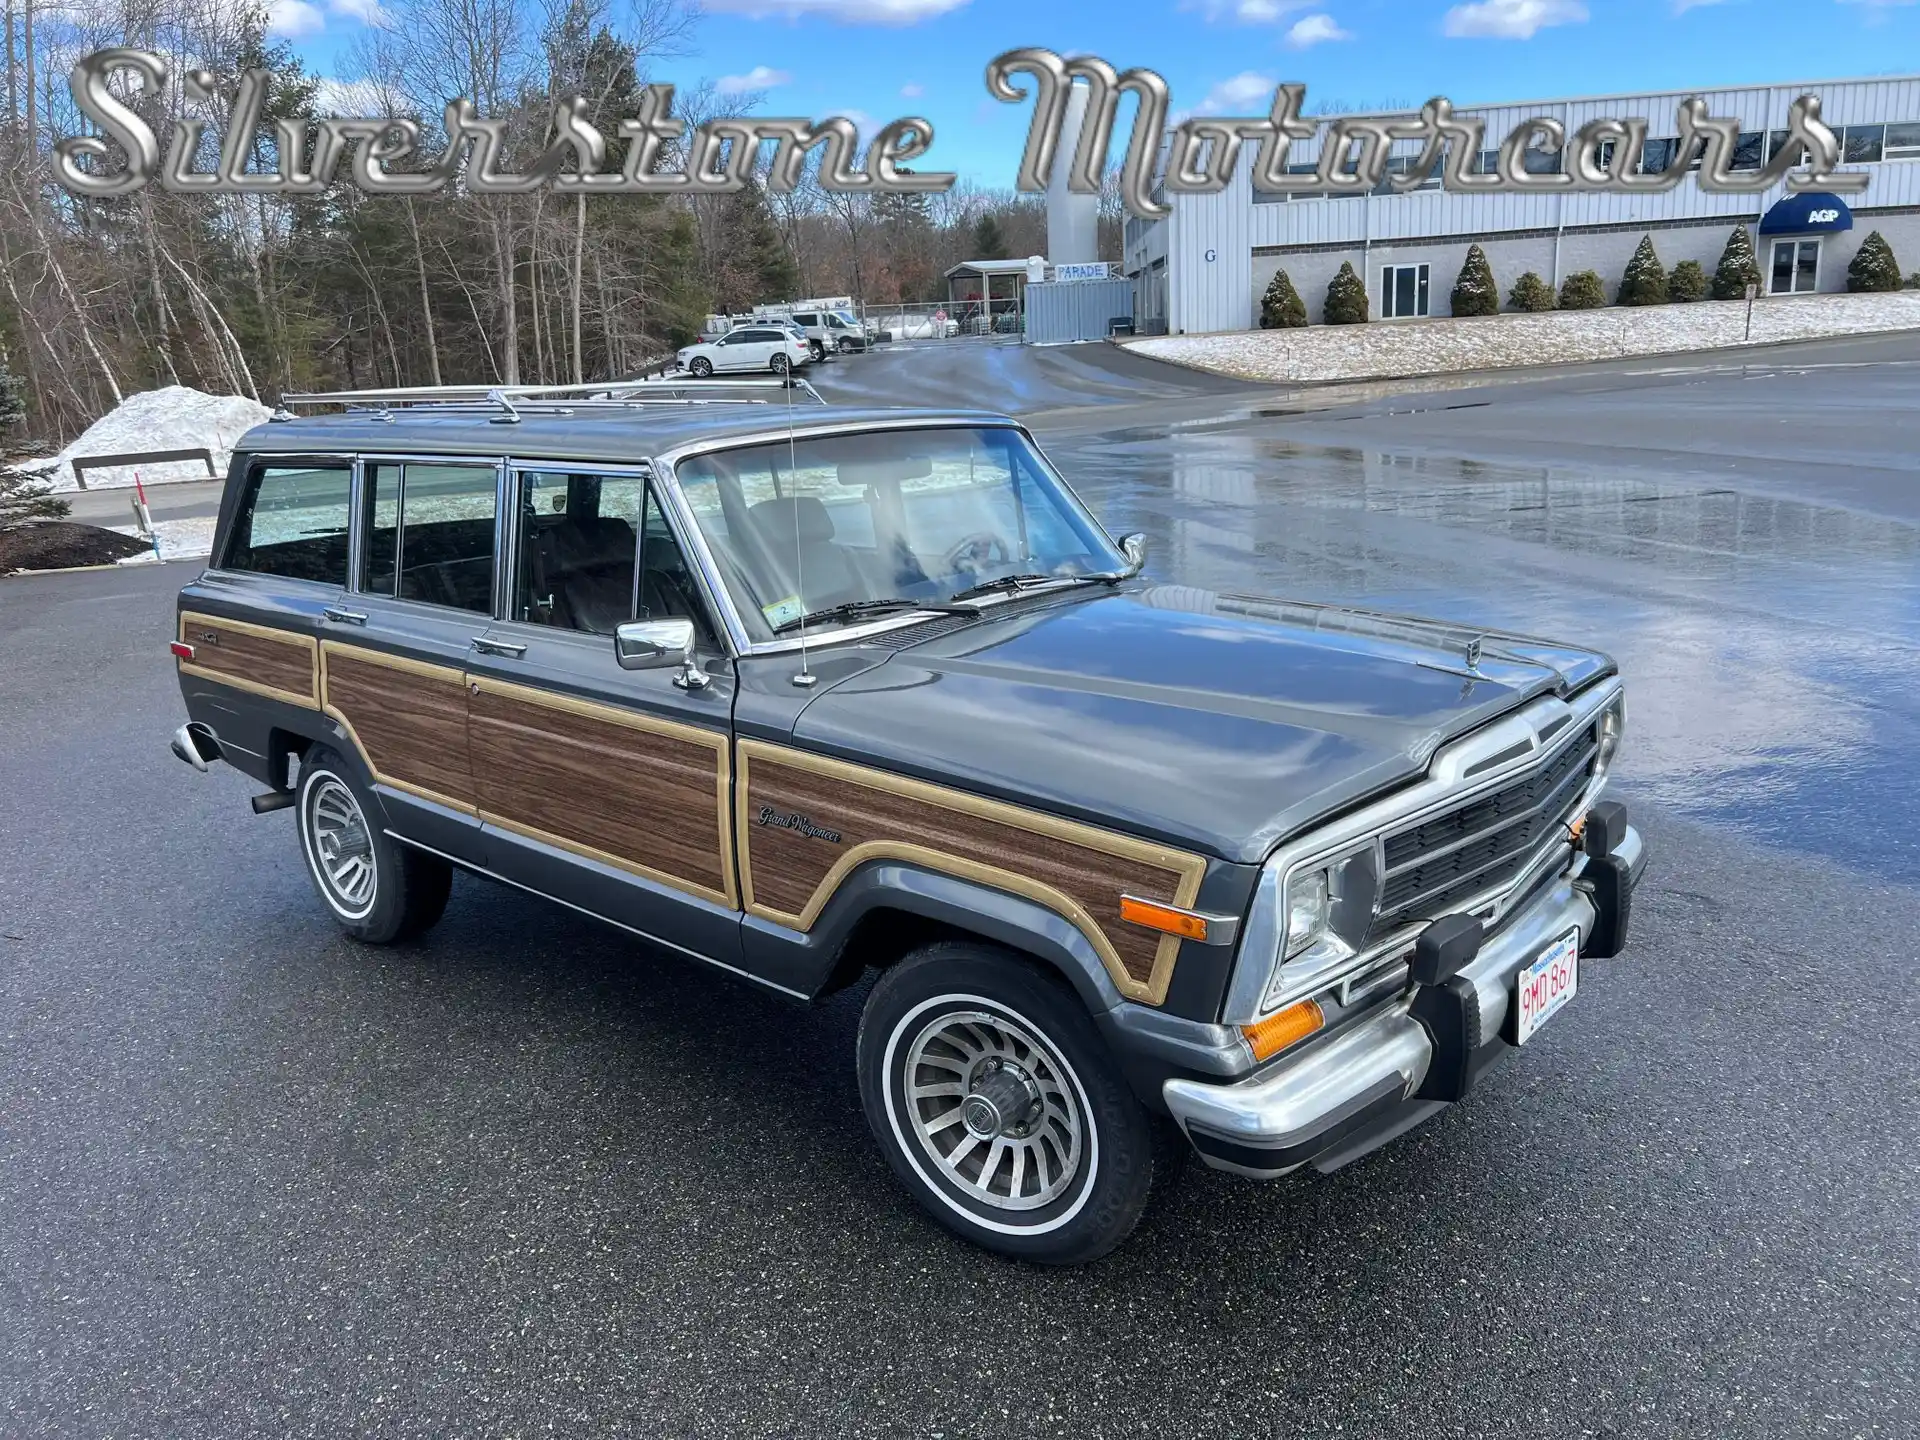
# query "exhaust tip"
(196, 745)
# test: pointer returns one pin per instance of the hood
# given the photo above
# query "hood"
(1217, 723)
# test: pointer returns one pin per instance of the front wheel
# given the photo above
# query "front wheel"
(997, 1104)
(701, 367)
(846, 346)
(379, 890)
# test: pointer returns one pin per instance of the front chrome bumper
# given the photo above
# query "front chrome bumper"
(1362, 1078)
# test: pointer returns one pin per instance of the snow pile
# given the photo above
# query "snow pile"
(173, 418)
(1430, 347)
(189, 539)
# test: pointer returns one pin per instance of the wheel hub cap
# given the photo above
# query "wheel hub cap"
(991, 1105)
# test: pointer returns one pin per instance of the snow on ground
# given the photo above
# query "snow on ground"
(1431, 347)
(175, 417)
(179, 539)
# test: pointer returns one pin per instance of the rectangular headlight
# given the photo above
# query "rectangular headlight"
(1328, 907)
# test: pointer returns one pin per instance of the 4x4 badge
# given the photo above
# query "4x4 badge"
(799, 824)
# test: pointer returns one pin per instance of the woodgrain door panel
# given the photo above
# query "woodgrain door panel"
(408, 717)
(644, 794)
(806, 821)
(255, 658)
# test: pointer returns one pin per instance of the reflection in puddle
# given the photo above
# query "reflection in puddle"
(1771, 646)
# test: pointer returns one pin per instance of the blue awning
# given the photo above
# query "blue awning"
(1807, 213)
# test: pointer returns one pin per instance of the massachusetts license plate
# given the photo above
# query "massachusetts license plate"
(1546, 985)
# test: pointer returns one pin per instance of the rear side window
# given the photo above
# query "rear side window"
(430, 534)
(292, 522)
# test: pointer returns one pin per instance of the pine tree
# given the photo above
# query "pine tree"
(22, 496)
(755, 267)
(1281, 308)
(1687, 283)
(1738, 268)
(1476, 292)
(1873, 268)
(1645, 282)
(1346, 302)
(1531, 293)
(1582, 290)
(988, 242)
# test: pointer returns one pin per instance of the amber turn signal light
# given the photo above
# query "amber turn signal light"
(1283, 1028)
(1168, 919)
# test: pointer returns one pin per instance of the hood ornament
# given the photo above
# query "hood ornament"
(1473, 655)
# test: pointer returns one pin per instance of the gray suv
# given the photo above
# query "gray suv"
(808, 695)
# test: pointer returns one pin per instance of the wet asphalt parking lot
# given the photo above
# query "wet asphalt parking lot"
(526, 1178)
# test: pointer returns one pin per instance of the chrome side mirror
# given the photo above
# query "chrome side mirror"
(653, 644)
(1134, 547)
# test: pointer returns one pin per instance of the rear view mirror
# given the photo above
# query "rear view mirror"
(1134, 547)
(653, 644)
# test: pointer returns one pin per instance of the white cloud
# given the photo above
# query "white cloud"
(1247, 93)
(839, 12)
(760, 77)
(367, 12)
(294, 19)
(353, 99)
(1311, 30)
(1245, 12)
(913, 90)
(1511, 19)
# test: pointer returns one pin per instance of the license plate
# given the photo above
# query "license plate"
(1546, 985)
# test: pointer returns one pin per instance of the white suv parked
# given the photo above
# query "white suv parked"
(770, 346)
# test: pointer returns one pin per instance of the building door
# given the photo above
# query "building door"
(1403, 291)
(1796, 267)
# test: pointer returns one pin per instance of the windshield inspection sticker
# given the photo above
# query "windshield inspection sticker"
(783, 612)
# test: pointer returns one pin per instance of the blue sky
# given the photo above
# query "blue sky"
(880, 59)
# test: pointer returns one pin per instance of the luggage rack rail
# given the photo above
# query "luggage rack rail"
(505, 404)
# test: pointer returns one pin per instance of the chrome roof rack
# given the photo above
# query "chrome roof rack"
(505, 404)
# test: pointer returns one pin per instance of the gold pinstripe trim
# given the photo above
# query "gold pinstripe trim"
(1188, 867)
(391, 662)
(646, 724)
(309, 701)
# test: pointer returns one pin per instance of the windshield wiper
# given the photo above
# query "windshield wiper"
(1017, 583)
(852, 608)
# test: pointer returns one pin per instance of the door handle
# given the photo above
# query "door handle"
(498, 647)
(344, 617)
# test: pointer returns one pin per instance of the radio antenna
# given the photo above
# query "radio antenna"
(806, 678)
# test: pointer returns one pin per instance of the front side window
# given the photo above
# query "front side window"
(910, 515)
(429, 534)
(292, 522)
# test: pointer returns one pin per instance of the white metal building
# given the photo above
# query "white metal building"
(1205, 266)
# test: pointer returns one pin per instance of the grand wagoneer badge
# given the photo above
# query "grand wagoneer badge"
(799, 824)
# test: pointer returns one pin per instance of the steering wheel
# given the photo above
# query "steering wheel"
(981, 548)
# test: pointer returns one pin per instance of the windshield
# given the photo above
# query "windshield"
(912, 515)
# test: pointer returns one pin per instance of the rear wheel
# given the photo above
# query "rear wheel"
(378, 890)
(779, 364)
(997, 1104)
(701, 366)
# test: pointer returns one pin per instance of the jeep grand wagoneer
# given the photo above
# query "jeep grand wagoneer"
(805, 694)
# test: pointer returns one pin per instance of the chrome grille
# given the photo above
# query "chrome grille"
(1483, 845)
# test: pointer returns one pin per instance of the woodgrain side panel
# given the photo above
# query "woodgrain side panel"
(252, 657)
(789, 869)
(409, 719)
(646, 795)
